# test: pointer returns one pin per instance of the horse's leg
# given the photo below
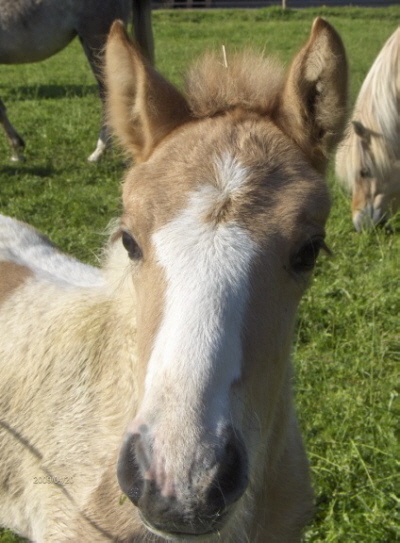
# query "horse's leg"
(101, 145)
(93, 46)
(17, 144)
(142, 27)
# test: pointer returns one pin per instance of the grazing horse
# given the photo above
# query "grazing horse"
(34, 30)
(368, 159)
(164, 378)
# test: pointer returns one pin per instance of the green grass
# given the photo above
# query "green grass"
(347, 352)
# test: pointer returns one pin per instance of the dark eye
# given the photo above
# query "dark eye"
(365, 172)
(305, 259)
(131, 246)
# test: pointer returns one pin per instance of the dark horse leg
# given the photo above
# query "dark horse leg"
(17, 144)
(93, 45)
(142, 27)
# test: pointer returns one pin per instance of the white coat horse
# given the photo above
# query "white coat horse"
(368, 159)
(165, 376)
(34, 30)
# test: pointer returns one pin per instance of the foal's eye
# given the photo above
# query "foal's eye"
(131, 246)
(365, 172)
(305, 259)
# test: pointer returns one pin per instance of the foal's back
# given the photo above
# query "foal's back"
(25, 249)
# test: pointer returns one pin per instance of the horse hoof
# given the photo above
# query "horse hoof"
(101, 148)
(17, 158)
(94, 157)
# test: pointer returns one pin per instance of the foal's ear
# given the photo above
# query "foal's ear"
(312, 107)
(143, 107)
(361, 131)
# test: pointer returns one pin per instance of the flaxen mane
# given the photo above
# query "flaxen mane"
(377, 108)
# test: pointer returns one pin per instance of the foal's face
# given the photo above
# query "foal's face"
(223, 226)
(223, 220)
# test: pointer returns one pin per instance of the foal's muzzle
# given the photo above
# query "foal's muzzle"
(210, 488)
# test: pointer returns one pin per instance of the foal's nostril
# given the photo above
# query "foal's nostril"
(231, 479)
(132, 463)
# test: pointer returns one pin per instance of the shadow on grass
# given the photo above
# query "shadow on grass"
(33, 92)
(24, 169)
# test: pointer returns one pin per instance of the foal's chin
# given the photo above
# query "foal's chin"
(170, 535)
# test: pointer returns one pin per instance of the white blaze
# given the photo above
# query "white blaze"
(197, 349)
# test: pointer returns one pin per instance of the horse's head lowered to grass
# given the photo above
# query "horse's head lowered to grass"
(223, 220)
(368, 159)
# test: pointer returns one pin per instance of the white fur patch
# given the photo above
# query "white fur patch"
(198, 346)
(230, 174)
(25, 246)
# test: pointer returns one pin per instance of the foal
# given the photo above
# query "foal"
(165, 377)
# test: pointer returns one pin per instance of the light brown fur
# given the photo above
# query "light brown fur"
(12, 276)
(75, 359)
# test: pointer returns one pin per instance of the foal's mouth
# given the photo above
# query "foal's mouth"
(180, 535)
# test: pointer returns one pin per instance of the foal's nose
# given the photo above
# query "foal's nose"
(210, 487)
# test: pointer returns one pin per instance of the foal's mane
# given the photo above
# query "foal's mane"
(247, 80)
(377, 108)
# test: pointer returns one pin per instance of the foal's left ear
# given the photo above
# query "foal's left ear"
(143, 107)
(312, 107)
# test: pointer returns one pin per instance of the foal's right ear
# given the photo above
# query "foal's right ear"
(143, 107)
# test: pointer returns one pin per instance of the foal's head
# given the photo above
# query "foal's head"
(223, 220)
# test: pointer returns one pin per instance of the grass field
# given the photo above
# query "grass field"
(347, 353)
